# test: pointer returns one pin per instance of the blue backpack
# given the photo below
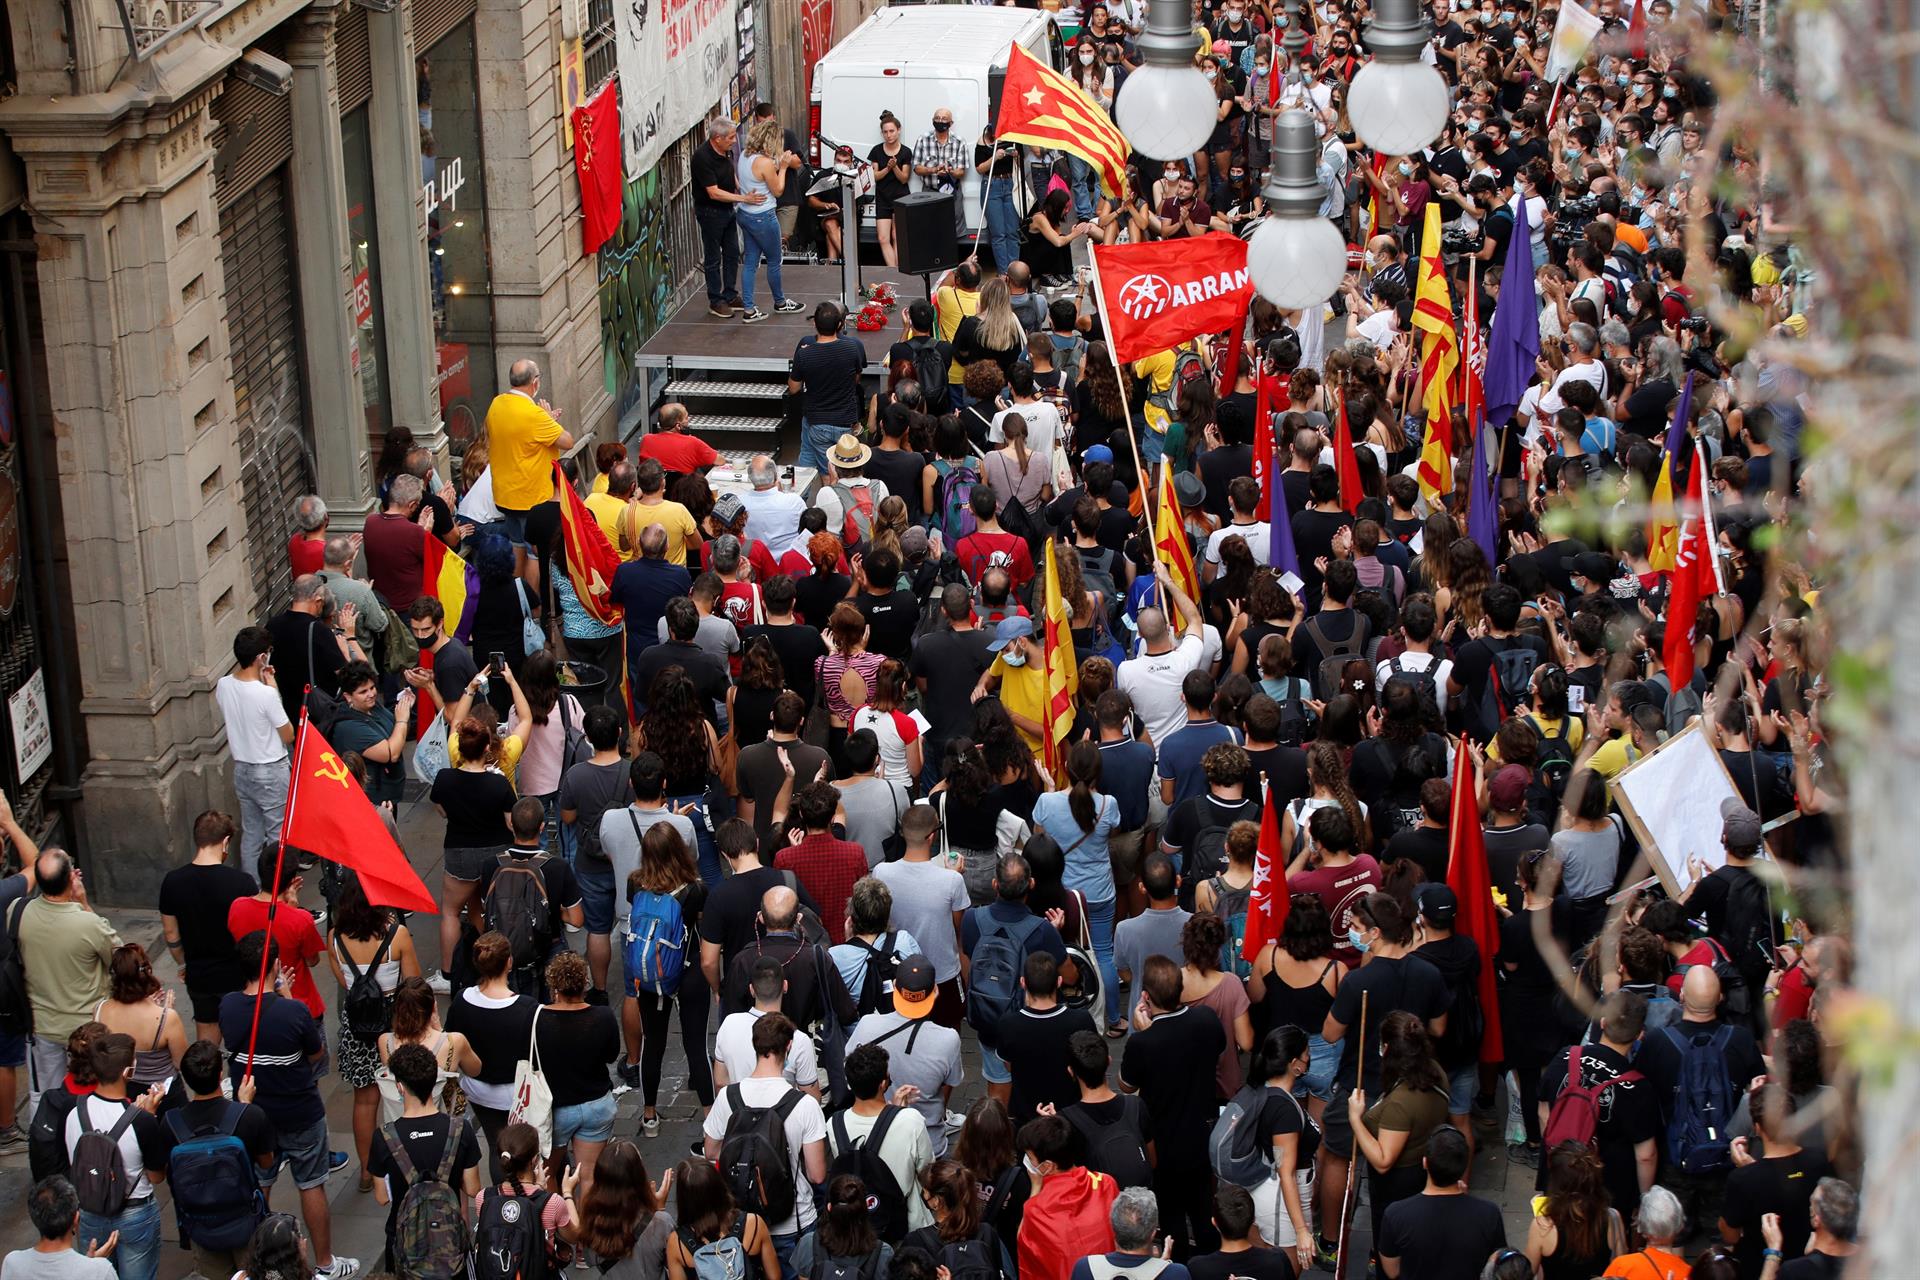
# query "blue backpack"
(995, 969)
(1697, 1139)
(656, 948)
(216, 1201)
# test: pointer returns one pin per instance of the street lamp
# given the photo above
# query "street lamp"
(1398, 104)
(1167, 108)
(1297, 258)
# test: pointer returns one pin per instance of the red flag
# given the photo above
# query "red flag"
(1158, 294)
(1267, 907)
(591, 559)
(1695, 578)
(1231, 353)
(596, 159)
(1263, 459)
(1345, 463)
(1472, 884)
(1637, 30)
(328, 814)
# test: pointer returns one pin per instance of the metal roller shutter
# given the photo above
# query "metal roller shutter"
(256, 130)
(352, 60)
(433, 19)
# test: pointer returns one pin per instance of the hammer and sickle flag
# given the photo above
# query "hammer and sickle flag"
(328, 814)
(596, 160)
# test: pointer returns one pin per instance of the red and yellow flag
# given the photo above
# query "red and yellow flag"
(1439, 354)
(446, 576)
(1041, 107)
(1062, 668)
(591, 559)
(1170, 545)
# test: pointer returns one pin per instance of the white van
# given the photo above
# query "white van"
(910, 59)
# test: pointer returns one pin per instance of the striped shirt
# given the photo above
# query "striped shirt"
(830, 668)
(281, 1057)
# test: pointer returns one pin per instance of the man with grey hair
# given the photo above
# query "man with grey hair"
(716, 197)
(311, 642)
(395, 550)
(309, 534)
(1152, 679)
(1582, 347)
(773, 512)
(1136, 1220)
(1835, 1216)
(337, 573)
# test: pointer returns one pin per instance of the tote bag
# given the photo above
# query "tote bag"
(532, 1099)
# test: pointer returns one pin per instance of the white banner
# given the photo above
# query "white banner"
(676, 59)
(1573, 32)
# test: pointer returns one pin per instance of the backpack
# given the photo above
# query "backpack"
(574, 747)
(216, 1200)
(1231, 906)
(1575, 1115)
(876, 985)
(99, 1169)
(508, 1243)
(1736, 1002)
(952, 494)
(1068, 354)
(975, 1259)
(16, 1011)
(856, 522)
(1234, 1149)
(1697, 1139)
(996, 964)
(930, 371)
(1097, 569)
(1466, 1023)
(886, 1202)
(1206, 858)
(399, 649)
(1509, 676)
(655, 955)
(722, 1259)
(1555, 758)
(754, 1157)
(430, 1236)
(1749, 920)
(516, 906)
(1296, 717)
(47, 1135)
(1335, 655)
(867, 1268)
(1115, 1148)
(365, 1006)
(1425, 687)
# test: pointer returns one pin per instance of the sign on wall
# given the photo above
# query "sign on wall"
(32, 727)
(675, 58)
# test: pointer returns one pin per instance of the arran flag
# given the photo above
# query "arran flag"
(596, 159)
(1267, 907)
(1696, 577)
(448, 578)
(328, 814)
(591, 559)
(1062, 672)
(1345, 463)
(1472, 885)
(1158, 294)
(1043, 108)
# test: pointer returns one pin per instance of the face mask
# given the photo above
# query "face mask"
(1633, 306)
(1086, 59)
(1234, 15)
(1212, 73)
(1624, 80)
(1238, 175)
(1370, 259)
(1260, 68)
(1406, 170)
(1473, 125)
(1506, 15)
(1173, 175)
(1013, 658)
(941, 126)
(1668, 91)
(1357, 939)
(1571, 153)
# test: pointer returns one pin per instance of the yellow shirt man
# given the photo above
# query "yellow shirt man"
(951, 305)
(607, 510)
(675, 518)
(523, 441)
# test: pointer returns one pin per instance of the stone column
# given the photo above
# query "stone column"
(323, 263)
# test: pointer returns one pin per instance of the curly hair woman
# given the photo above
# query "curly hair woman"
(1203, 982)
(675, 728)
(1293, 982)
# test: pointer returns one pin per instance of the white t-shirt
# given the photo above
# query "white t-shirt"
(906, 1150)
(733, 1046)
(1592, 372)
(254, 715)
(1043, 427)
(103, 1114)
(478, 506)
(1153, 682)
(773, 516)
(894, 729)
(1380, 328)
(1412, 661)
(805, 1123)
(1256, 534)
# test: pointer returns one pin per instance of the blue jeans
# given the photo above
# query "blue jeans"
(816, 440)
(596, 894)
(1153, 446)
(711, 872)
(1100, 929)
(137, 1256)
(1080, 179)
(761, 237)
(1003, 223)
(783, 1246)
(719, 253)
(262, 792)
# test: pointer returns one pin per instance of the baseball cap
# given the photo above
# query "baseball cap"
(1437, 903)
(913, 542)
(727, 508)
(913, 987)
(1096, 453)
(1595, 566)
(1739, 826)
(1508, 790)
(1009, 630)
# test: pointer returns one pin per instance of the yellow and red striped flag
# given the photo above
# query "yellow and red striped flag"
(1170, 545)
(446, 575)
(1062, 669)
(1041, 107)
(1439, 353)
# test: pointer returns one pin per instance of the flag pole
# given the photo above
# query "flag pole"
(273, 892)
(1148, 492)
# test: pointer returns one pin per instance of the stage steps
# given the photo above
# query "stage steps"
(739, 414)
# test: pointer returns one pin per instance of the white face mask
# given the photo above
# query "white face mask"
(1013, 657)
(1212, 73)
(1234, 15)
(1033, 1170)
(1086, 59)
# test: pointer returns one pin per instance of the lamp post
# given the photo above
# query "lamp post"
(1398, 104)
(1167, 108)
(1297, 258)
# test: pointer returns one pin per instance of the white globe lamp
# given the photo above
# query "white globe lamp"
(1398, 104)
(1167, 108)
(1297, 258)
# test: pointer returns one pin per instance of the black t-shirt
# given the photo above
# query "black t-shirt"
(576, 1048)
(498, 1036)
(1814, 1266)
(829, 374)
(1033, 1044)
(453, 670)
(950, 662)
(1505, 847)
(1409, 983)
(1172, 1064)
(708, 673)
(294, 636)
(891, 619)
(197, 898)
(814, 597)
(887, 188)
(1313, 538)
(1196, 814)
(1219, 466)
(477, 805)
(796, 645)
(1280, 1115)
(589, 790)
(425, 1139)
(1441, 1237)
(563, 890)
(1284, 769)
(1425, 847)
(712, 169)
(732, 908)
(1458, 960)
(1252, 1264)
(899, 470)
(1713, 898)
(1629, 1115)
(1473, 667)
(1783, 1185)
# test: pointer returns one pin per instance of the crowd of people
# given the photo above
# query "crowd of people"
(812, 815)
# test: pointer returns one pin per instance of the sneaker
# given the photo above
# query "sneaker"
(752, 315)
(788, 307)
(1524, 1153)
(955, 1122)
(343, 1268)
(597, 996)
(650, 1127)
(697, 1149)
(336, 1161)
(630, 1074)
(720, 309)
(440, 984)
(1324, 1255)
(12, 1141)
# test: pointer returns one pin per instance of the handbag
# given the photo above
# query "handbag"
(533, 637)
(532, 1099)
(893, 845)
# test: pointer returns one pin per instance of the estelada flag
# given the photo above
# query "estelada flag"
(328, 814)
(1268, 905)
(591, 559)
(1041, 107)
(1472, 884)
(596, 159)
(1062, 671)
(1157, 294)
(447, 577)
(1439, 355)
(1170, 545)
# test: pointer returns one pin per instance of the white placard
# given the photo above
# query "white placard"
(1673, 796)
(32, 727)
(675, 59)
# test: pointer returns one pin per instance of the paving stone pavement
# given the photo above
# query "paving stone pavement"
(359, 1222)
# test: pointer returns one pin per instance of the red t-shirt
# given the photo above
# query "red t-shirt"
(305, 554)
(678, 451)
(978, 552)
(1338, 888)
(1701, 952)
(1795, 996)
(300, 944)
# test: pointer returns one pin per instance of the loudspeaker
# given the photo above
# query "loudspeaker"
(923, 232)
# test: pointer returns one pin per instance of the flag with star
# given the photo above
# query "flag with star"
(1063, 673)
(1439, 354)
(328, 814)
(1170, 544)
(1043, 108)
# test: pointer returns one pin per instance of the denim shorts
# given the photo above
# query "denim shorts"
(596, 893)
(308, 1150)
(586, 1121)
(468, 865)
(1323, 1063)
(1462, 1084)
(993, 1068)
(13, 1050)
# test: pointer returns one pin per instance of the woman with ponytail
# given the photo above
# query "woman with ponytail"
(1329, 788)
(1283, 1205)
(1080, 819)
(523, 1176)
(844, 1235)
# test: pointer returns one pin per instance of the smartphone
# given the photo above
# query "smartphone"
(497, 660)
(1577, 699)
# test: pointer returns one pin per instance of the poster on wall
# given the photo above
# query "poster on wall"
(674, 58)
(32, 727)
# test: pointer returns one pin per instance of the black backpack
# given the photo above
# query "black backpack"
(1425, 686)
(1750, 933)
(99, 1169)
(867, 1268)
(1336, 654)
(508, 1243)
(47, 1135)
(930, 360)
(886, 1202)
(1118, 1148)
(1411, 766)
(755, 1158)
(876, 986)
(16, 1011)
(516, 906)
(1509, 677)
(1554, 761)
(365, 1005)
(975, 1259)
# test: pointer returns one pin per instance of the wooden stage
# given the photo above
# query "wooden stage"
(695, 340)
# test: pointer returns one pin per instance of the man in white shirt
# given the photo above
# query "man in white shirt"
(143, 1153)
(773, 513)
(1043, 420)
(1582, 344)
(1244, 500)
(904, 1148)
(733, 1055)
(805, 1124)
(258, 733)
(1153, 678)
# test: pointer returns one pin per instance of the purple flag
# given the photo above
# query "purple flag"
(1483, 521)
(1513, 343)
(1280, 552)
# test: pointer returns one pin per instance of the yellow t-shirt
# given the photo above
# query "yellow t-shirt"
(510, 749)
(1023, 692)
(1612, 757)
(951, 305)
(1548, 728)
(606, 510)
(600, 483)
(1157, 372)
(520, 441)
(678, 521)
